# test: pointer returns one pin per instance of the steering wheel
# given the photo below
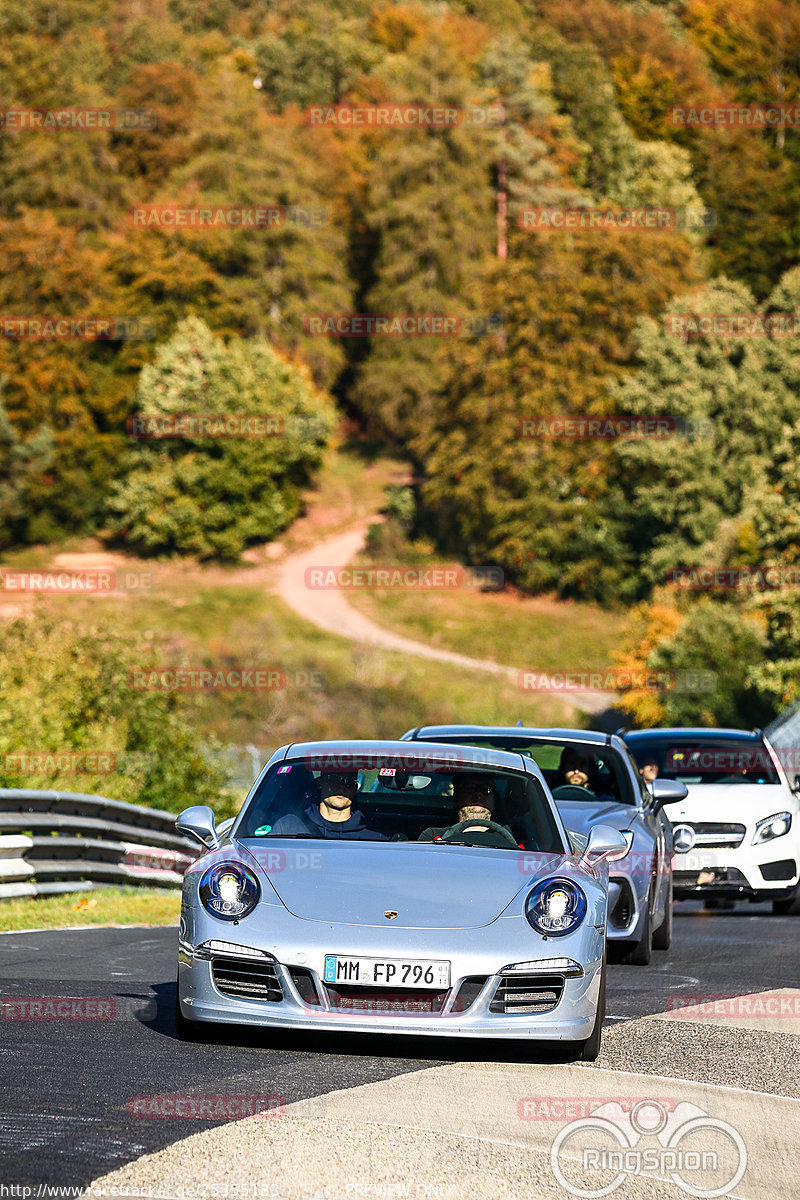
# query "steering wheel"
(485, 826)
(570, 791)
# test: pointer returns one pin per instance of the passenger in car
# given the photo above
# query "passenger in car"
(649, 770)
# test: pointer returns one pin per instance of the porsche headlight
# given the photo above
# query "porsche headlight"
(772, 827)
(555, 907)
(229, 891)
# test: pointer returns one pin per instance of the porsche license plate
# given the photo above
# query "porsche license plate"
(388, 972)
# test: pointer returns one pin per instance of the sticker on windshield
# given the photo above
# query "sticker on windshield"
(262, 830)
(388, 771)
(284, 770)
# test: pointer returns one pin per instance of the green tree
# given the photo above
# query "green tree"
(733, 395)
(210, 495)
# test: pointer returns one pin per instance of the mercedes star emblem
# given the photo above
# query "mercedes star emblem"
(683, 838)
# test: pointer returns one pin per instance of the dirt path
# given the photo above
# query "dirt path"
(330, 611)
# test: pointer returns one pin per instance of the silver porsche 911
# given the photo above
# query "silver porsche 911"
(393, 887)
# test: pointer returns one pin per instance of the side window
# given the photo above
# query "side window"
(642, 791)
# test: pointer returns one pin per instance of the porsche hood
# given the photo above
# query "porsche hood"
(428, 886)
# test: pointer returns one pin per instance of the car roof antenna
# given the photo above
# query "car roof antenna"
(519, 722)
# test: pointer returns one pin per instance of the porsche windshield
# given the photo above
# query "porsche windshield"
(504, 810)
(707, 760)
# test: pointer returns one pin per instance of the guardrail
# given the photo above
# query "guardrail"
(54, 842)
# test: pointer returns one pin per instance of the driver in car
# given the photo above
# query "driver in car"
(474, 799)
(577, 769)
(334, 815)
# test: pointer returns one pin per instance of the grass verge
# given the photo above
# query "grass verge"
(103, 906)
(531, 633)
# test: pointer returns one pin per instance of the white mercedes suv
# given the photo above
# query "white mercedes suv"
(737, 834)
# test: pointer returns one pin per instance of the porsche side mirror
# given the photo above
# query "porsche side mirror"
(605, 843)
(198, 822)
(668, 791)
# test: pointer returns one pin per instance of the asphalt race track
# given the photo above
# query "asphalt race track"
(67, 1082)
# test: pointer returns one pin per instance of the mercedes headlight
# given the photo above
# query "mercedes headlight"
(555, 907)
(229, 891)
(772, 827)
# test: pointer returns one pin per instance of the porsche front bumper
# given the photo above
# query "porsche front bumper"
(481, 1002)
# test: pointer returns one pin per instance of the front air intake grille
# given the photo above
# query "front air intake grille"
(622, 913)
(527, 994)
(468, 993)
(246, 979)
(724, 834)
(387, 1002)
(304, 982)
